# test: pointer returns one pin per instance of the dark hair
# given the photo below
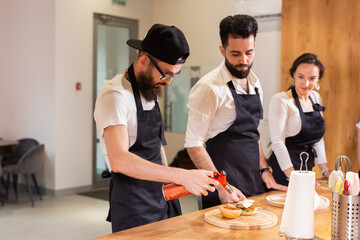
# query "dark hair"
(310, 58)
(239, 26)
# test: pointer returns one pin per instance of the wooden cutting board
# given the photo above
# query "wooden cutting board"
(261, 220)
(278, 200)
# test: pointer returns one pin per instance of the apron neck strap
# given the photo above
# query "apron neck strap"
(135, 88)
(233, 91)
(316, 106)
(296, 98)
(232, 88)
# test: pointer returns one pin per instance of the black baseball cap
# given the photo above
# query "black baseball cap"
(166, 43)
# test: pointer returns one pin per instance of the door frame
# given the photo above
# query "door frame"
(114, 21)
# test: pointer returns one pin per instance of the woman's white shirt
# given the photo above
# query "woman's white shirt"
(284, 121)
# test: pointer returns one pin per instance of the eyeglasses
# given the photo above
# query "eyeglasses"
(164, 76)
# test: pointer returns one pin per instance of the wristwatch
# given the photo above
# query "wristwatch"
(267, 169)
(324, 171)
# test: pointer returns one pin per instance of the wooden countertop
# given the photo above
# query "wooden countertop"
(193, 225)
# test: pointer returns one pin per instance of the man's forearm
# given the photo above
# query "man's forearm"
(195, 181)
(201, 158)
(125, 162)
(136, 167)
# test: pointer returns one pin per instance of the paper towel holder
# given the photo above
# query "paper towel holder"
(282, 233)
(301, 159)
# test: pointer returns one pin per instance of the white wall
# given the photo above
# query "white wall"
(27, 75)
(199, 20)
(46, 47)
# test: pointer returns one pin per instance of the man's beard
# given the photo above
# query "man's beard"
(148, 89)
(238, 73)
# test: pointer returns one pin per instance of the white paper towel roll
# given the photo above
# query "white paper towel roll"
(298, 215)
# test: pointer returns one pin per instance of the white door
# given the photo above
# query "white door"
(111, 56)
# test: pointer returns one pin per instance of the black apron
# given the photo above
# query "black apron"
(135, 202)
(236, 150)
(312, 130)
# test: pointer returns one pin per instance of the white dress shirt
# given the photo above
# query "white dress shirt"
(284, 121)
(115, 105)
(211, 105)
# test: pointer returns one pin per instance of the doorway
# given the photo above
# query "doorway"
(111, 56)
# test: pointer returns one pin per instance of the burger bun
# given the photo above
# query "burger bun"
(230, 212)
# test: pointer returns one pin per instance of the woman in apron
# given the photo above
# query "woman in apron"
(296, 123)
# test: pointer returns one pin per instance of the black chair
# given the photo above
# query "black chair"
(29, 163)
(23, 146)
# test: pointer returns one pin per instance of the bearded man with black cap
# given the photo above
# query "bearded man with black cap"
(227, 121)
(130, 128)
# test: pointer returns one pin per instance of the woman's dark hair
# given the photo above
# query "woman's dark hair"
(310, 58)
(239, 26)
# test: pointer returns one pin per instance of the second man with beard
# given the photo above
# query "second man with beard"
(225, 107)
(130, 129)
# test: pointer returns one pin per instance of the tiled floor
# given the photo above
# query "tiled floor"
(72, 217)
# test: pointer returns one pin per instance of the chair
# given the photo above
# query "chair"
(30, 163)
(23, 146)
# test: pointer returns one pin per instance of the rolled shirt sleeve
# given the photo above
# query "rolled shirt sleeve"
(110, 110)
(202, 107)
(320, 151)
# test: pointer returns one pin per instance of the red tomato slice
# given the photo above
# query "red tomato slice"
(251, 208)
(230, 208)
